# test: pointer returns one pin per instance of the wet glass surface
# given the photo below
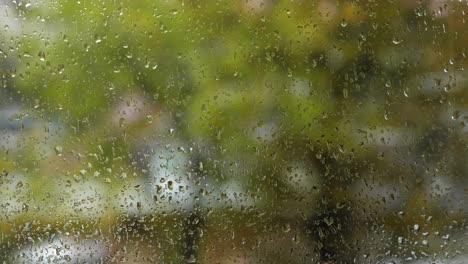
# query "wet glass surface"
(253, 131)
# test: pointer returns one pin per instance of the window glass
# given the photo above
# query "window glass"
(251, 131)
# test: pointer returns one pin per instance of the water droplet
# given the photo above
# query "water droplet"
(58, 150)
(455, 115)
(344, 23)
(191, 259)
(19, 185)
(329, 221)
(400, 240)
(41, 55)
(149, 119)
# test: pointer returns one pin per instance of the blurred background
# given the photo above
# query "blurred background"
(250, 131)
